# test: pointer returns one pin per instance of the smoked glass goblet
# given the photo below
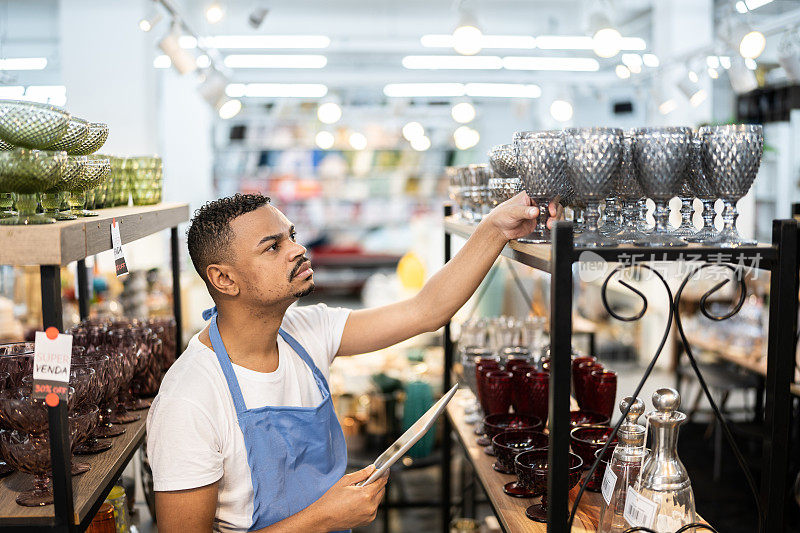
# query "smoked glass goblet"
(705, 191)
(542, 166)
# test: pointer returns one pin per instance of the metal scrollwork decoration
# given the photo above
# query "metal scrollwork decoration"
(674, 306)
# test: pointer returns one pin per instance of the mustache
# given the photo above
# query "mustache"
(300, 264)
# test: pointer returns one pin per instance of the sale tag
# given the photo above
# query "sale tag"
(51, 359)
(609, 482)
(119, 257)
(639, 511)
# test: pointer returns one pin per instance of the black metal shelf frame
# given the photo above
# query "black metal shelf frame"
(780, 259)
(60, 454)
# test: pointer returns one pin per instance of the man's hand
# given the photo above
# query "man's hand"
(346, 506)
(516, 217)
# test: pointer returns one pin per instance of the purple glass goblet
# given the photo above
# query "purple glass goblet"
(532, 468)
(586, 440)
(498, 423)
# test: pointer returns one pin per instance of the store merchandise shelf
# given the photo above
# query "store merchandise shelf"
(511, 511)
(756, 363)
(539, 255)
(64, 242)
(89, 489)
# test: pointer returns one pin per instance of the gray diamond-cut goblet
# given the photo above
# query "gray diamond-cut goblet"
(704, 190)
(629, 191)
(660, 156)
(731, 157)
(542, 167)
(31, 124)
(98, 133)
(479, 176)
(592, 155)
(28, 172)
(686, 228)
(504, 182)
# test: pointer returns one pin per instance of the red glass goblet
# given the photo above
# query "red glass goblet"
(16, 363)
(508, 444)
(602, 392)
(595, 484)
(101, 363)
(575, 362)
(106, 428)
(586, 440)
(483, 365)
(582, 379)
(497, 392)
(532, 468)
(587, 418)
(498, 423)
(531, 394)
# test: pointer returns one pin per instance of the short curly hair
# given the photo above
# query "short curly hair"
(209, 234)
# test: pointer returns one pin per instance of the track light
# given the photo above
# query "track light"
(153, 18)
(693, 91)
(214, 13)
(257, 16)
(183, 61)
(467, 36)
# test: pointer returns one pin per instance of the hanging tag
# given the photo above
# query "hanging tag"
(639, 511)
(119, 258)
(609, 482)
(51, 359)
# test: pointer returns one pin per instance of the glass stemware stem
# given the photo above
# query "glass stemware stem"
(27, 204)
(643, 225)
(6, 204)
(591, 216)
(629, 232)
(51, 203)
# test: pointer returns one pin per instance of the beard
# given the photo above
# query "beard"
(305, 292)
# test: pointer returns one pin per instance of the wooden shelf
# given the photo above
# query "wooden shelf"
(67, 241)
(511, 511)
(89, 489)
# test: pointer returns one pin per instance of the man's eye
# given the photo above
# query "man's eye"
(293, 236)
(273, 247)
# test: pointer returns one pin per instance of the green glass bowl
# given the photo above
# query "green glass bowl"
(73, 174)
(77, 132)
(31, 124)
(5, 147)
(98, 133)
(95, 171)
(30, 171)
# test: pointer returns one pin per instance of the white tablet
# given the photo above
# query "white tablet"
(409, 438)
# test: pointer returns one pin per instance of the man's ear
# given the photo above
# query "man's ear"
(222, 279)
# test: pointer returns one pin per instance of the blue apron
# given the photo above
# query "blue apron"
(295, 453)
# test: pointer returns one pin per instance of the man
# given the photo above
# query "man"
(242, 435)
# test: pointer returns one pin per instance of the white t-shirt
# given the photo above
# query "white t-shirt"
(193, 436)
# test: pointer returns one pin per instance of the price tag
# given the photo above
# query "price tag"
(51, 359)
(609, 482)
(119, 257)
(639, 511)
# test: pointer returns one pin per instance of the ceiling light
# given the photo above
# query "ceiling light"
(46, 94)
(743, 80)
(463, 112)
(693, 76)
(632, 60)
(269, 41)
(712, 61)
(214, 13)
(413, 130)
(755, 4)
(607, 42)
(502, 90)
(183, 61)
(275, 61)
(358, 141)
(421, 90)
(276, 90)
(420, 144)
(582, 42)
(751, 64)
(693, 92)
(486, 41)
(203, 61)
(741, 7)
(574, 64)
(14, 92)
(752, 44)
(453, 62)
(147, 24)
(561, 110)
(623, 72)
(325, 140)
(187, 42)
(725, 61)
(667, 106)
(329, 112)
(162, 61)
(713, 73)
(23, 63)
(467, 36)
(230, 109)
(466, 137)
(650, 60)
(635, 69)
